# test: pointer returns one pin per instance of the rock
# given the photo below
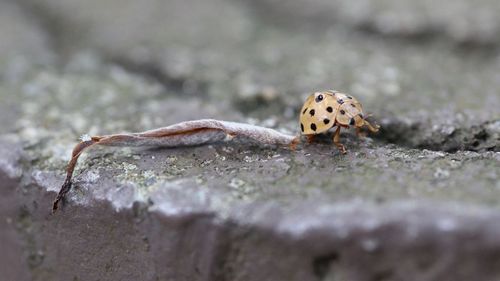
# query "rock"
(435, 85)
(13, 264)
(405, 19)
(23, 40)
(417, 201)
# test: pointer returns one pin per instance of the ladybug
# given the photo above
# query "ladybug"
(324, 110)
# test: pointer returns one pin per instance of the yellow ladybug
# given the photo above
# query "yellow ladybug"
(324, 110)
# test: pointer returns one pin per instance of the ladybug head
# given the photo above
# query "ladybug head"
(363, 122)
(352, 115)
(357, 121)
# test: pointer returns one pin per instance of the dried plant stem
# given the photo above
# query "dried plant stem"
(187, 133)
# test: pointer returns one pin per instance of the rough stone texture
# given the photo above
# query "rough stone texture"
(418, 201)
(427, 88)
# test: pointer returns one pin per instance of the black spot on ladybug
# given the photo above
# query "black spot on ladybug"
(352, 122)
(319, 98)
(303, 112)
(326, 121)
(313, 126)
(340, 101)
(302, 127)
(342, 111)
(312, 112)
(353, 105)
(329, 109)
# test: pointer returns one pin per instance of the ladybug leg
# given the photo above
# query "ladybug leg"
(336, 141)
(359, 133)
(294, 142)
(310, 138)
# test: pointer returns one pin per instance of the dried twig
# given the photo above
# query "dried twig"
(188, 133)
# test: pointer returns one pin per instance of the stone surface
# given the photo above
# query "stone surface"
(418, 201)
(424, 90)
(462, 22)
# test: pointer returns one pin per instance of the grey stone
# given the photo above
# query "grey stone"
(13, 265)
(24, 47)
(22, 37)
(462, 22)
(264, 69)
(418, 201)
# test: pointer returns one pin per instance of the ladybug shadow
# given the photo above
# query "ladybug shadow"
(348, 138)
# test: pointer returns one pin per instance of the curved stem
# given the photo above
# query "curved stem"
(188, 133)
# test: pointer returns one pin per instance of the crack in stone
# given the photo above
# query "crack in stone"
(322, 265)
(179, 85)
(480, 138)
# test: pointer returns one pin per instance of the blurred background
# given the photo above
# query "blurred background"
(428, 71)
(237, 59)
